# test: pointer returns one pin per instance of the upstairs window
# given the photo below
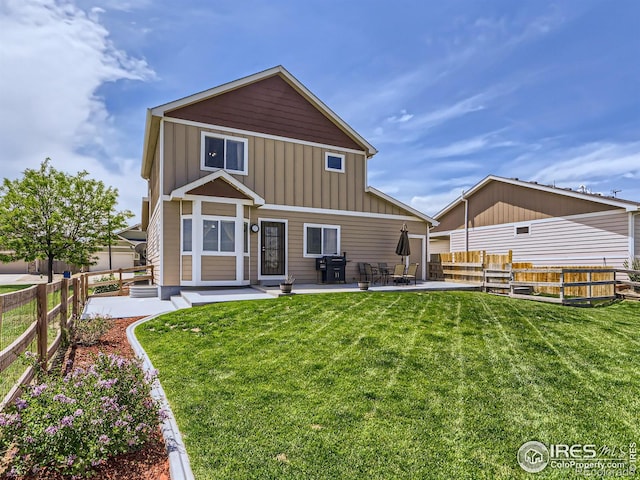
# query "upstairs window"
(321, 240)
(227, 153)
(334, 162)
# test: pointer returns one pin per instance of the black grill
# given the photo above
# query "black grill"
(332, 268)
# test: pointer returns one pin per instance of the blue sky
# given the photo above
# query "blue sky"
(448, 92)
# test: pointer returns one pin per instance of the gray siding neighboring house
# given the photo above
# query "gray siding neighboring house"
(541, 224)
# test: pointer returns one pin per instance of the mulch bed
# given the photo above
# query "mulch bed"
(148, 463)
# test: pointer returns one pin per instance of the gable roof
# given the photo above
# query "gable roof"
(628, 205)
(187, 189)
(155, 114)
(404, 206)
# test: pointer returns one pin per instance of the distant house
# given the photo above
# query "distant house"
(127, 251)
(256, 179)
(124, 253)
(541, 224)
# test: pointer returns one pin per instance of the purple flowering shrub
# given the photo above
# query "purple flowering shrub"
(74, 423)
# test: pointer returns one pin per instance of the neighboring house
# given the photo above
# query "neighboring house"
(254, 180)
(541, 224)
(17, 267)
(125, 251)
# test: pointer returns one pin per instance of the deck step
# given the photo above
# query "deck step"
(143, 291)
(179, 302)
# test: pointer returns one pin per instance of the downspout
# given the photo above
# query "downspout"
(632, 237)
(466, 222)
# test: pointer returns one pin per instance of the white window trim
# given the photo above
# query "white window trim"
(337, 155)
(203, 166)
(182, 250)
(322, 227)
(516, 227)
(210, 253)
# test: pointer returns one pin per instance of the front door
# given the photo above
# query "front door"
(273, 248)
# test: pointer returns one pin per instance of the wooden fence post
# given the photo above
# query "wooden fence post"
(41, 295)
(64, 303)
(76, 297)
(562, 286)
(120, 282)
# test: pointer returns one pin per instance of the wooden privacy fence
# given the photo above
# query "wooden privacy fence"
(35, 319)
(559, 284)
(566, 285)
(477, 267)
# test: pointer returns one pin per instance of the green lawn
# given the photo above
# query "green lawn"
(12, 288)
(394, 385)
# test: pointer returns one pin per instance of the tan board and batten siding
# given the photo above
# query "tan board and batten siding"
(499, 203)
(283, 173)
(553, 241)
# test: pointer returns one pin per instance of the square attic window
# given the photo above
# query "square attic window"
(334, 162)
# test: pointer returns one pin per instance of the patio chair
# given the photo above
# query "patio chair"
(411, 273)
(363, 271)
(372, 272)
(398, 273)
(384, 272)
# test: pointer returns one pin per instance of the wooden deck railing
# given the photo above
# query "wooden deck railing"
(120, 279)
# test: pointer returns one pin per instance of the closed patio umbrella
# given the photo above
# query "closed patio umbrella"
(403, 249)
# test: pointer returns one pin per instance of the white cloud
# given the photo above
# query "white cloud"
(592, 161)
(444, 114)
(402, 118)
(466, 147)
(433, 203)
(53, 59)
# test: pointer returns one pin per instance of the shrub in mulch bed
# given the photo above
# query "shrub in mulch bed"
(72, 425)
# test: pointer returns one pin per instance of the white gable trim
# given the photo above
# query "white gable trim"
(180, 193)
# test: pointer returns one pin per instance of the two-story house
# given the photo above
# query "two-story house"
(255, 179)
